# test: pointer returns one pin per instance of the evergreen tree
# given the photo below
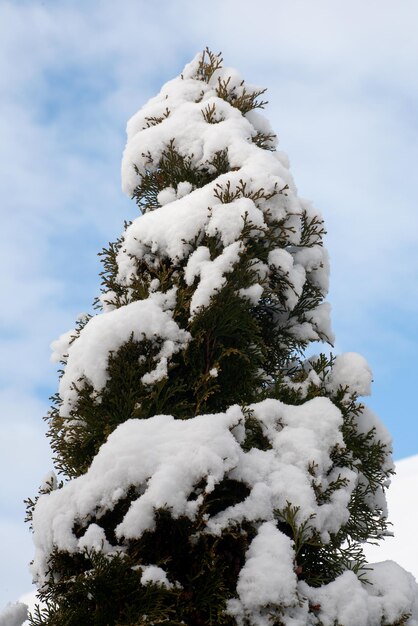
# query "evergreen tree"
(211, 474)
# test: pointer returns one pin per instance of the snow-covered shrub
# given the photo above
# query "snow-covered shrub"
(211, 474)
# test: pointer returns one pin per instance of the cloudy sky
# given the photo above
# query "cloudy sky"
(342, 87)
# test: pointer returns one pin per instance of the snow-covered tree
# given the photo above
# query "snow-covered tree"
(211, 474)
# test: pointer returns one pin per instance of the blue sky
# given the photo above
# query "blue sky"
(342, 87)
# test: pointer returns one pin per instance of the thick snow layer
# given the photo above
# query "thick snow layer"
(352, 370)
(346, 600)
(88, 354)
(267, 577)
(165, 458)
(14, 614)
(392, 593)
(403, 507)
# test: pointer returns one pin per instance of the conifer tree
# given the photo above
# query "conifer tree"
(209, 472)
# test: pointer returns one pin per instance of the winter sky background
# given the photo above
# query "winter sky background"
(342, 85)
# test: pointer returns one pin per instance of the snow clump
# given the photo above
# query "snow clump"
(14, 614)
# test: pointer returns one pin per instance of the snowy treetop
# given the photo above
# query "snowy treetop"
(195, 114)
(212, 124)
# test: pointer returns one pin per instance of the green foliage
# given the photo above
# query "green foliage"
(174, 168)
(93, 589)
(254, 436)
(208, 64)
(240, 97)
(76, 438)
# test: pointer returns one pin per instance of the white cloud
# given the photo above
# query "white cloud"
(403, 504)
(15, 576)
(24, 461)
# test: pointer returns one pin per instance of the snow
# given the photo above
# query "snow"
(253, 293)
(319, 319)
(264, 580)
(211, 273)
(227, 219)
(94, 539)
(166, 196)
(14, 614)
(268, 580)
(392, 593)
(395, 589)
(283, 260)
(352, 370)
(196, 138)
(88, 354)
(155, 575)
(61, 346)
